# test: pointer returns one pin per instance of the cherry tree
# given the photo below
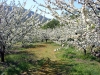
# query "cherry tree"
(91, 16)
(16, 24)
(86, 21)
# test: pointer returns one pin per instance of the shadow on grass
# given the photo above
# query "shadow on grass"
(49, 67)
(49, 42)
(17, 62)
(23, 63)
(32, 46)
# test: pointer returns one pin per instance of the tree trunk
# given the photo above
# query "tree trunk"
(84, 51)
(2, 56)
(46, 40)
(42, 40)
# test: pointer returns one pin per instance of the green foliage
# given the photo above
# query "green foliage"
(92, 26)
(52, 24)
(70, 39)
(74, 16)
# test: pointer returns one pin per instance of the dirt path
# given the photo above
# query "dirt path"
(44, 50)
(49, 67)
(25, 62)
(29, 61)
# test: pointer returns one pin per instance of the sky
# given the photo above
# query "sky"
(30, 3)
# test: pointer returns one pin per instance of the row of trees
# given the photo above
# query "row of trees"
(82, 25)
(84, 22)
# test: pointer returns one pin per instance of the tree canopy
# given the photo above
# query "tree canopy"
(51, 24)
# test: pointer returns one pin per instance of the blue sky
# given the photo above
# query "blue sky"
(30, 3)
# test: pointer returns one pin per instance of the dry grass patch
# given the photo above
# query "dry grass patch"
(44, 50)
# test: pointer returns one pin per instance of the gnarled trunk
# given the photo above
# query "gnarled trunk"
(2, 56)
(2, 52)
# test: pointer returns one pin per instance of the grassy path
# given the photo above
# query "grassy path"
(34, 61)
(44, 51)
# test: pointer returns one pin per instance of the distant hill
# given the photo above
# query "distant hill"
(31, 13)
(40, 16)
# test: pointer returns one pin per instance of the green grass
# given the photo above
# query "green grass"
(17, 63)
(80, 64)
(41, 59)
(72, 53)
(85, 69)
(66, 53)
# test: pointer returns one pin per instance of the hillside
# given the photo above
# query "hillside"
(40, 16)
(10, 8)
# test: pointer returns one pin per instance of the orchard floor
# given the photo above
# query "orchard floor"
(41, 59)
(44, 51)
